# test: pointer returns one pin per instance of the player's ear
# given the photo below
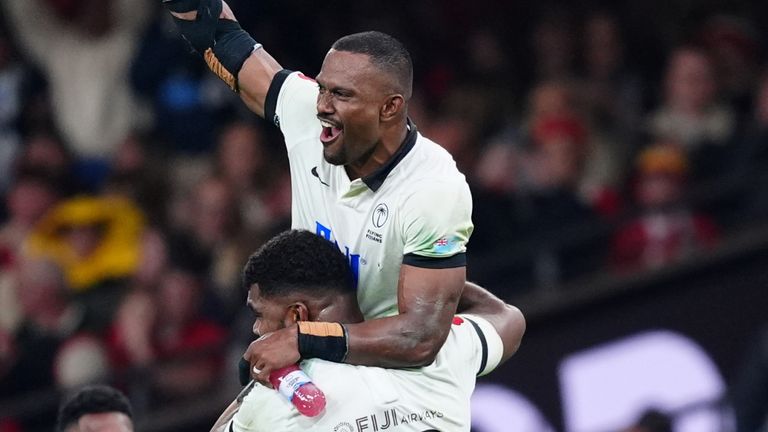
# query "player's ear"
(392, 107)
(296, 312)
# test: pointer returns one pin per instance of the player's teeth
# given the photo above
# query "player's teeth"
(326, 124)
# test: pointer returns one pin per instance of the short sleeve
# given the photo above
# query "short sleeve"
(490, 347)
(291, 104)
(437, 224)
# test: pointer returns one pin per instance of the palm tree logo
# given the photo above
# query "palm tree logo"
(380, 215)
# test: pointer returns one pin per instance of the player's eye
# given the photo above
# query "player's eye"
(340, 94)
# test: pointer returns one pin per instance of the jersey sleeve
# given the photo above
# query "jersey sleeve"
(291, 105)
(489, 345)
(437, 224)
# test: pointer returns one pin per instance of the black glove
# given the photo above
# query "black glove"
(200, 33)
(222, 43)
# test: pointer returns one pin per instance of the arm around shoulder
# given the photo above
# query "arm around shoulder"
(427, 299)
(507, 320)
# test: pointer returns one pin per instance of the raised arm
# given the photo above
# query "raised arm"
(227, 49)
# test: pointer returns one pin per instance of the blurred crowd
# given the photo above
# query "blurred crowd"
(599, 138)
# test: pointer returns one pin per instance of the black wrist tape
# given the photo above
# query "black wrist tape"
(233, 46)
(323, 340)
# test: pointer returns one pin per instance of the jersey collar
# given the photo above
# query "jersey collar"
(375, 179)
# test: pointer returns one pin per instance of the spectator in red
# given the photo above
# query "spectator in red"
(503, 166)
(166, 328)
(543, 235)
(49, 348)
(666, 230)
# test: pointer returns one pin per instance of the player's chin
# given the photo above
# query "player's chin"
(334, 153)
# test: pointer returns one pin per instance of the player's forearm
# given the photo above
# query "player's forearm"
(427, 299)
(254, 79)
(478, 300)
(405, 340)
(506, 319)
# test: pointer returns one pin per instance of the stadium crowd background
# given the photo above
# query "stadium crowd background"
(598, 138)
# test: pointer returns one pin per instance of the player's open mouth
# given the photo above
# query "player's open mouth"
(330, 132)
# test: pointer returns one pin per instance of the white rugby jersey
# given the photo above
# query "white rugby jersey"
(416, 209)
(370, 399)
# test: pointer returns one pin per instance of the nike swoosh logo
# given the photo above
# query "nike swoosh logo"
(314, 173)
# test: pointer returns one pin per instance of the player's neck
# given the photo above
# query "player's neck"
(392, 139)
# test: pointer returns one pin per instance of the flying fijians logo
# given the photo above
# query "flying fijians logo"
(380, 215)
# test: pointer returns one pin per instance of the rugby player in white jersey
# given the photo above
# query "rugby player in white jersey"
(299, 277)
(362, 177)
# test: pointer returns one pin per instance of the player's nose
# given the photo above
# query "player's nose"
(324, 105)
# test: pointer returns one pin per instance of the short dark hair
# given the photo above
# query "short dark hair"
(298, 260)
(93, 399)
(386, 53)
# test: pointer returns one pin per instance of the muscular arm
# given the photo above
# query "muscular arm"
(506, 319)
(427, 299)
(255, 77)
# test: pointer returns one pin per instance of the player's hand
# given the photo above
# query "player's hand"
(226, 13)
(273, 351)
(198, 20)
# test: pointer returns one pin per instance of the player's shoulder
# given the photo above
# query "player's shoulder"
(431, 171)
(432, 158)
(264, 409)
(353, 388)
(290, 105)
(430, 168)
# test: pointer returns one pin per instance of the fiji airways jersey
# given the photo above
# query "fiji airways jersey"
(415, 209)
(370, 399)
